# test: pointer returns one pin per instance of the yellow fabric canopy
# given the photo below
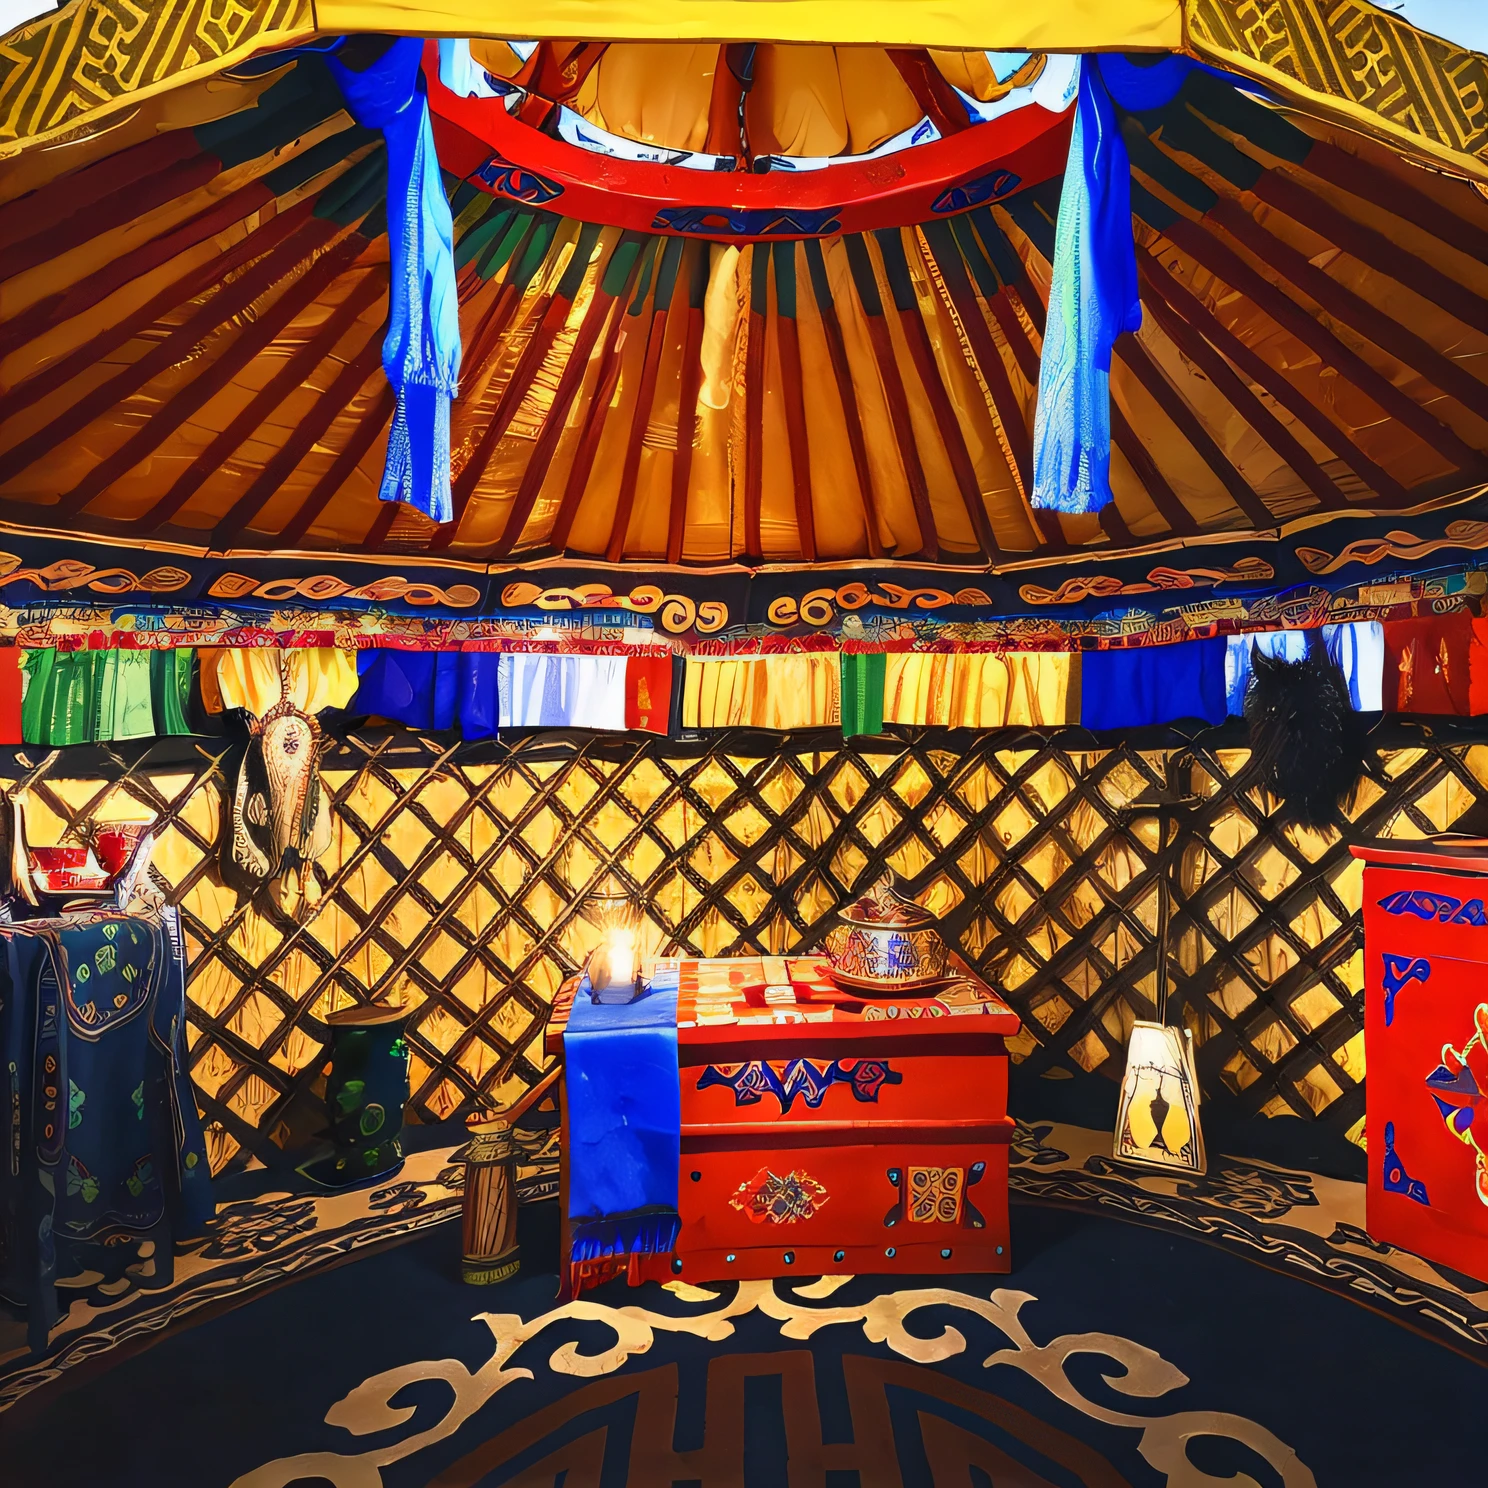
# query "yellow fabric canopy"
(1045, 25)
(319, 677)
(983, 690)
(774, 692)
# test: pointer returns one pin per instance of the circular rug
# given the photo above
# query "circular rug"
(1113, 1355)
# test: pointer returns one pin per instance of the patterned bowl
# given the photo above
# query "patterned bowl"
(67, 870)
(886, 945)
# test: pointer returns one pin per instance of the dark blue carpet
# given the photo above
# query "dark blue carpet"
(1359, 1400)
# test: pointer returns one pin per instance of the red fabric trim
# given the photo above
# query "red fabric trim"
(648, 693)
(1427, 665)
(10, 696)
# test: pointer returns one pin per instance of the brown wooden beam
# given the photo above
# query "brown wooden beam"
(595, 319)
(1272, 381)
(195, 394)
(363, 437)
(846, 393)
(687, 398)
(640, 418)
(294, 371)
(1352, 310)
(232, 299)
(1250, 408)
(96, 287)
(1227, 265)
(871, 301)
(302, 439)
(1134, 356)
(36, 385)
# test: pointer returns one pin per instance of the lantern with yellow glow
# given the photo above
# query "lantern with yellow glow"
(614, 965)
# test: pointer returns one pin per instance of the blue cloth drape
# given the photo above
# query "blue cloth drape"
(1093, 296)
(416, 688)
(421, 352)
(478, 692)
(1153, 684)
(624, 1099)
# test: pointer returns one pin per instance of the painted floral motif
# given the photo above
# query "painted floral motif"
(80, 1182)
(777, 1198)
(1459, 1086)
(75, 1102)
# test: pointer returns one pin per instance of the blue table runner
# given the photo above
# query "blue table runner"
(624, 1099)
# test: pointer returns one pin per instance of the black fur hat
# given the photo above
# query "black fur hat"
(1306, 742)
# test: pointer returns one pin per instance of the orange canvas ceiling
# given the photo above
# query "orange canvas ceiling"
(192, 305)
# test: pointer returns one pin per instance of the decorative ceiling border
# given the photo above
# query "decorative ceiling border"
(1359, 65)
(74, 69)
(1348, 60)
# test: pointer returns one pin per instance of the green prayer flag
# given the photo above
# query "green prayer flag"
(170, 689)
(863, 692)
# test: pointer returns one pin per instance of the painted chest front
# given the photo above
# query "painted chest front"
(1426, 1051)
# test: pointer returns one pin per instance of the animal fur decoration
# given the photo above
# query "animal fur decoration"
(1306, 744)
(279, 820)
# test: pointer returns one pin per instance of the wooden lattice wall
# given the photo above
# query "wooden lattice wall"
(454, 877)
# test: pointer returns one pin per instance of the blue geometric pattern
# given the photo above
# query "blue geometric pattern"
(751, 1081)
(1440, 907)
(1397, 1180)
(1398, 971)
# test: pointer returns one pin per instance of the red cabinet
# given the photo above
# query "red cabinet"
(822, 1133)
(1426, 1050)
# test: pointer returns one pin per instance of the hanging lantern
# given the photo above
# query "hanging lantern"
(1157, 1121)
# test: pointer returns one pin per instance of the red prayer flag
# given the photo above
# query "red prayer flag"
(10, 695)
(1427, 665)
(648, 693)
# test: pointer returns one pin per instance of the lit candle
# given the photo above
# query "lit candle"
(621, 948)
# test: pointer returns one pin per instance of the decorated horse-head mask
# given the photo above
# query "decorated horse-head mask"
(280, 819)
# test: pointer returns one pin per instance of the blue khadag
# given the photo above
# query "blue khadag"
(1093, 293)
(421, 353)
(624, 1100)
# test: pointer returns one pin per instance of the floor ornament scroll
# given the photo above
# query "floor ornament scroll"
(1137, 1372)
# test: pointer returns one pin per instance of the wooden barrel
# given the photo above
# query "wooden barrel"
(489, 1251)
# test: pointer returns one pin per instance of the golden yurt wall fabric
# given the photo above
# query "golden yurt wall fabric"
(454, 878)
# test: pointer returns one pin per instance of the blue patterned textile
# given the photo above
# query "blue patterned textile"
(103, 1145)
(624, 1101)
(421, 353)
(1153, 684)
(1093, 296)
(416, 688)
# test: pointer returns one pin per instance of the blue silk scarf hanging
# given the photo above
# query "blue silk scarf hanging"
(1093, 295)
(624, 1100)
(421, 352)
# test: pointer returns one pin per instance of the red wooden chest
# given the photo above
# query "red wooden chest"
(822, 1133)
(1425, 1032)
